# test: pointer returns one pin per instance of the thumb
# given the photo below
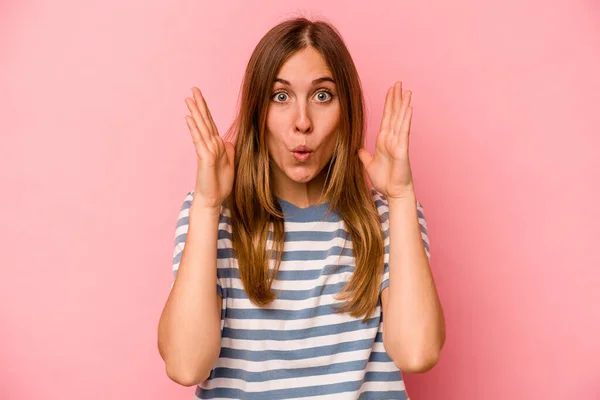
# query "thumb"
(365, 157)
(230, 151)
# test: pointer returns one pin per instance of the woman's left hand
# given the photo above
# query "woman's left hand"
(389, 169)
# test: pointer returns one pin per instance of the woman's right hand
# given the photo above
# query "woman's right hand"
(215, 173)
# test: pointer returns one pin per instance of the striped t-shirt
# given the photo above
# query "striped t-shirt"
(298, 347)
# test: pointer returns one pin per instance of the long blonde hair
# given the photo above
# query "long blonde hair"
(252, 203)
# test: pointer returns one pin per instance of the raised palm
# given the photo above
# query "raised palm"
(389, 168)
(215, 172)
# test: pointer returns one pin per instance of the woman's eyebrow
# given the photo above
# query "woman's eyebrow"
(315, 82)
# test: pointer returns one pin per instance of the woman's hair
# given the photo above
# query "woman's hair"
(252, 203)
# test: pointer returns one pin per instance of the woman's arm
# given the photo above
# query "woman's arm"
(189, 332)
(413, 320)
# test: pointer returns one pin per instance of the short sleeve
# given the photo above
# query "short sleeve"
(181, 230)
(383, 209)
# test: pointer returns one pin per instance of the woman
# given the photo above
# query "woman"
(308, 257)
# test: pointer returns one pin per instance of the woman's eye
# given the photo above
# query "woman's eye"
(280, 96)
(322, 96)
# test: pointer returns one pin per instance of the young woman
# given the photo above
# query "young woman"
(323, 285)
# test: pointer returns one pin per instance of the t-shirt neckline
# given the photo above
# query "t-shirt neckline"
(292, 206)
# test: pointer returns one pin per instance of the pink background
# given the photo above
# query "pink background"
(96, 158)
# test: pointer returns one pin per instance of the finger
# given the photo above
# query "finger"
(365, 157)
(387, 111)
(218, 144)
(405, 132)
(396, 103)
(201, 103)
(211, 120)
(214, 141)
(405, 103)
(215, 137)
(199, 121)
(199, 143)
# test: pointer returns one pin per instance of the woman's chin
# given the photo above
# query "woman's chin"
(301, 175)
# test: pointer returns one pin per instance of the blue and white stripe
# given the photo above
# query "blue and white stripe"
(298, 346)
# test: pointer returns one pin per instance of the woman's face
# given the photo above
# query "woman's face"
(304, 110)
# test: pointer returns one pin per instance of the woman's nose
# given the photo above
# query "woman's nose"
(303, 121)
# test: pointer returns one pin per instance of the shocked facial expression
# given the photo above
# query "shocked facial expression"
(302, 120)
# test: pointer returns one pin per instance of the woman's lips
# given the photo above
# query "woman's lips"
(301, 155)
